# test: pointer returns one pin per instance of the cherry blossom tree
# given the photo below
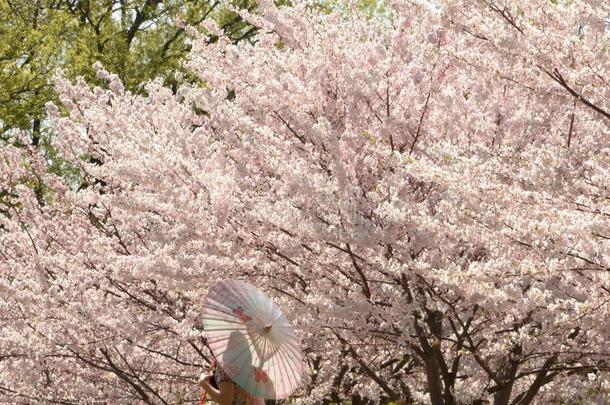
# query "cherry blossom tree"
(425, 194)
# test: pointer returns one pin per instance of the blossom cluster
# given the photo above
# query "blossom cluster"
(426, 194)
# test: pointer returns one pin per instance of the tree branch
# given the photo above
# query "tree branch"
(557, 77)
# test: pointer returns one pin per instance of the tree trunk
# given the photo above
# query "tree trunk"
(507, 376)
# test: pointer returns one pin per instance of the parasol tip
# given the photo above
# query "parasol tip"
(267, 328)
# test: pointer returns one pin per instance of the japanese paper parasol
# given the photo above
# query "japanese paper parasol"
(252, 340)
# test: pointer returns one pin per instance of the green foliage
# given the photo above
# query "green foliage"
(142, 39)
(30, 39)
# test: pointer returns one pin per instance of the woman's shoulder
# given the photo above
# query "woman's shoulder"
(242, 397)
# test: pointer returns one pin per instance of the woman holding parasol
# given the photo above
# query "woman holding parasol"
(257, 352)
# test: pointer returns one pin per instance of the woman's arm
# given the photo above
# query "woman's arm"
(223, 395)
